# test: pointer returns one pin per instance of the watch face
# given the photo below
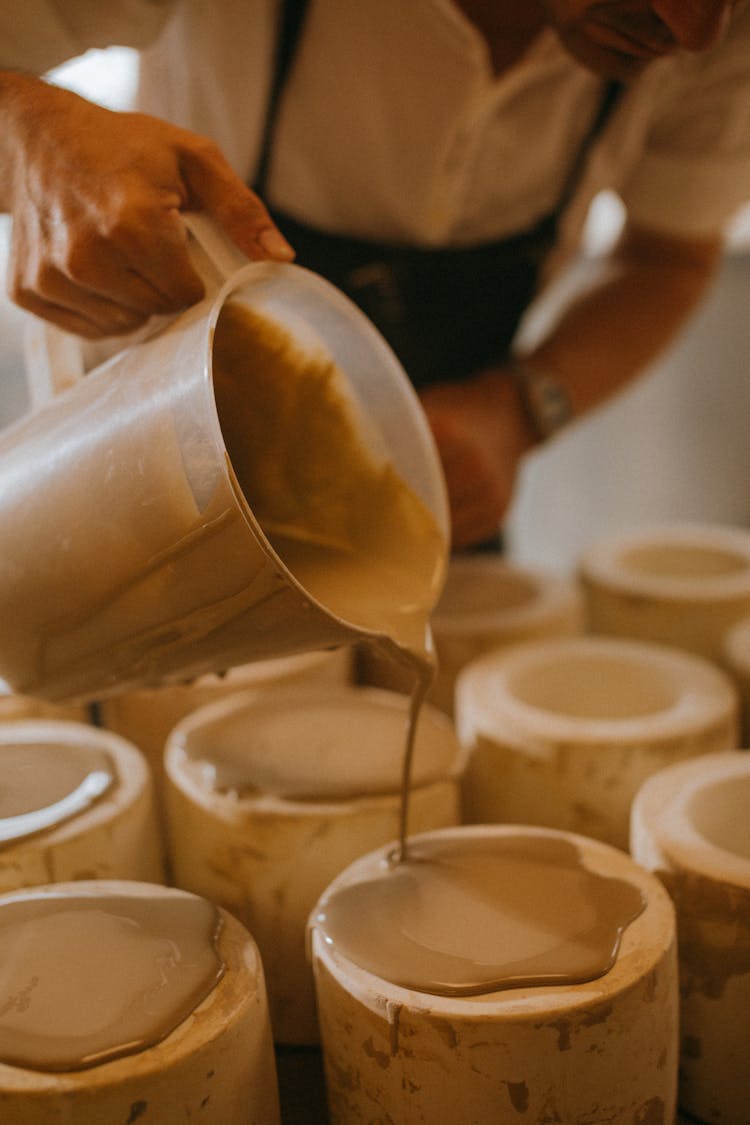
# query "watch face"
(545, 401)
(552, 403)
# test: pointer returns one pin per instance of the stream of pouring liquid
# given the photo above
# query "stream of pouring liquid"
(405, 635)
(343, 521)
(447, 918)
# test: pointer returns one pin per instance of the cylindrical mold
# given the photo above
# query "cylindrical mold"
(111, 835)
(146, 717)
(487, 603)
(216, 1066)
(679, 584)
(736, 660)
(563, 732)
(605, 1050)
(269, 796)
(690, 826)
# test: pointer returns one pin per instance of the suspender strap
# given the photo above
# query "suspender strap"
(607, 104)
(291, 19)
(446, 312)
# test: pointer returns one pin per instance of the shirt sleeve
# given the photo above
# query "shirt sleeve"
(36, 35)
(694, 173)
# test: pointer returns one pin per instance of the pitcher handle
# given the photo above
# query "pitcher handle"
(213, 255)
(55, 360)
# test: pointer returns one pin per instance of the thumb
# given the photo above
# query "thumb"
(213, 186)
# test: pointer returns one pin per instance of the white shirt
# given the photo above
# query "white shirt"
(393, 125)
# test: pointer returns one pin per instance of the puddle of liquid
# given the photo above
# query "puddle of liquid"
(89, 977)
(470, 916)
(44, 784)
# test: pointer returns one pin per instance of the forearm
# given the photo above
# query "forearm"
(605, 335)
(629, 312)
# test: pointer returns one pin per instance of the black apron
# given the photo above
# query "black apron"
(446, 312)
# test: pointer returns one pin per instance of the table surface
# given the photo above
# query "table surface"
(301, 1085)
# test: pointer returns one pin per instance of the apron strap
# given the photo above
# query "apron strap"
(608, 102)
(291, 20)
(445, 311)
(291, 24)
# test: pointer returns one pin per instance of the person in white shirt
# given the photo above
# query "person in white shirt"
(435, 159)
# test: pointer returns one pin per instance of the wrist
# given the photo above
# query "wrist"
(543, 399)
(499, 396)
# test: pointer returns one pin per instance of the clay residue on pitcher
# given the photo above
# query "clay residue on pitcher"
(297, 443)
(340, 516)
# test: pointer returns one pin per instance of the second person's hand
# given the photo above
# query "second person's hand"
(481, 433)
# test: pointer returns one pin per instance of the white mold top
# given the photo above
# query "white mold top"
(592, 690)
(673, 562)
(488, 595)
(96, 775)
(694, 816)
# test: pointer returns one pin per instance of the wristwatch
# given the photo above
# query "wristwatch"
(545, 402)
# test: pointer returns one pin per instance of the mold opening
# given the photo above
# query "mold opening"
(334, 750)
(476, 593)
(718, 813)
(674, 560)
(592, 687)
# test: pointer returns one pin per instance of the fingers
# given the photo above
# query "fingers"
(99, 244)
(75, 308)
(118, 323)
(214, 187)
(103, 286)
(145, 266)
(476, 515)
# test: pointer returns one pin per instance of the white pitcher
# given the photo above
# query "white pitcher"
(130, 554)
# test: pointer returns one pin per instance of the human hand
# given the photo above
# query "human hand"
(98, 244)
(481, 433)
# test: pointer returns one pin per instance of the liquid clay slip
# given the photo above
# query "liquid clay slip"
(75, 803)
(269, 795)
(124, 1001)
(499, 973)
